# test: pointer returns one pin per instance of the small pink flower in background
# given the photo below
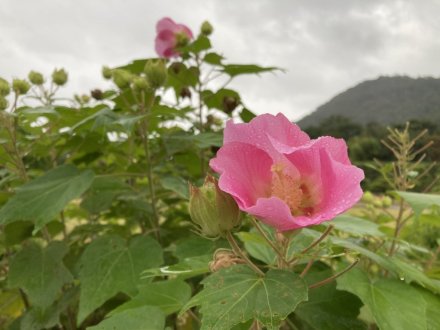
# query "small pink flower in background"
(275, 172)
(169, 36)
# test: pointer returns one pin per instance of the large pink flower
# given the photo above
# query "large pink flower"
(277, 173)
(169, 34)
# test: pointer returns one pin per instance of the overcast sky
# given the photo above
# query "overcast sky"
(326, 46)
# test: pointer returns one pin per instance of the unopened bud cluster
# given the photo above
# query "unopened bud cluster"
(377, 201)
(214, 211)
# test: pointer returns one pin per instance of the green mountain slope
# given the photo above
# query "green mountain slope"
(387, 100)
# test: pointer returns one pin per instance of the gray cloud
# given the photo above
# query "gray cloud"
(325, 46)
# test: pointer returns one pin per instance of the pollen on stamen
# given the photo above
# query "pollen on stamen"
(293, 191)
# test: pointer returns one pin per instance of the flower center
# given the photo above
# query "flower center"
(295, 192)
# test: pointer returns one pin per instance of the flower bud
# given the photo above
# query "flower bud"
(4, 87)
(107, 73)
(229, 104)
(214, 211)
(121, 78)
(59, 77)
(185, 93)
(3, 103)
(156, 72)
(97, 94)
(36, 78)
(206, 28)
(85, 98)
(368, 197)
(20, 86)
(387, 201)
(140, 84)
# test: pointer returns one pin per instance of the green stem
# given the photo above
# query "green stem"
(311, 246)
(144, 109)
(331, 278)
(270, 242)
(241, 254)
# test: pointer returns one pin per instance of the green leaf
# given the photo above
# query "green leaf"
(393, 304)
(102, 193)
(169, 296)
(216, 100)
(40, 272)
(419, 201)
(186, 268)
(142, 318)
(246, 115)
(399, 267)
(45, 197)
(238, 69)
(201, 43)
(236, 295)
(176, 184)
(213, 58)
(356, 226)
(257, 246)
(328, 308)
(110, 265)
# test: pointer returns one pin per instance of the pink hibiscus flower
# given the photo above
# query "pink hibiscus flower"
(169, 36)
(276, 173)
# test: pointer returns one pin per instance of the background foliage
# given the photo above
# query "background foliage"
(95, 231)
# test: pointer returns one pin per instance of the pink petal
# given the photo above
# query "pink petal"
(166, 23)
(183, 28)
(337, 148)
(165, 43)
(245, 172)
(273, 134)
(340, 184)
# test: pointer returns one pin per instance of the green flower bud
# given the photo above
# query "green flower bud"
(206, 28)
(156, 72)
(20, 86)
(387, 201)
(368, 197)
(122, 78)
(36, 78)
(107, 73)
(140, 84)
(59, 77)
(3, 103)
(214, 211)
(4, 87)
(85, 98)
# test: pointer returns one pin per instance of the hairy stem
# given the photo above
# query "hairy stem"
(240, 253)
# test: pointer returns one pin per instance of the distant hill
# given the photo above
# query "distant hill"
(387, 100)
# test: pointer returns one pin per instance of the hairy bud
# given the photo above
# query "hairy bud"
(156, 72)
(140, 84)
(107, 73)
(59, 77)
(214, 211)
(4, 87)
(122, 78)
(36, 78)
(20, 86)
(206, 28)
(3, 103)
